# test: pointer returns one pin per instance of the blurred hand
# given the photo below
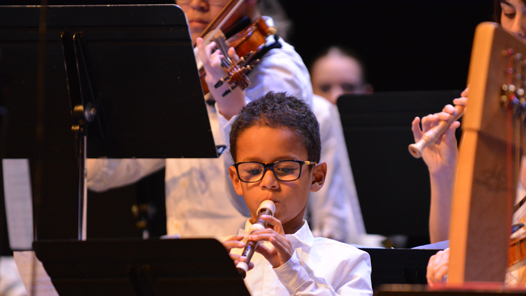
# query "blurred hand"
(437, 268)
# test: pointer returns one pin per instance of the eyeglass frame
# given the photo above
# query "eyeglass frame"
(214, 2)
(267, 166)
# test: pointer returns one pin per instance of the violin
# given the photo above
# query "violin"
(517, 251)
(248, 42)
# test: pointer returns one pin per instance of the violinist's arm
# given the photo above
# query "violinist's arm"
(104, 173)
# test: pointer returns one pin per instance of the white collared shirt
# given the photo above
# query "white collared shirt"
(319, 266)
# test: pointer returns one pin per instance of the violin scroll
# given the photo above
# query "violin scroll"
(248, 44)
(236, 73)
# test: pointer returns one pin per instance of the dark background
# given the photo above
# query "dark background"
(406, 45)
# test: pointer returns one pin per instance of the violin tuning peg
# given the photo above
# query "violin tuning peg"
(229, 90)
(247, 69)
(221, 81)
(218, 84)
(226, 92)
(241, 61)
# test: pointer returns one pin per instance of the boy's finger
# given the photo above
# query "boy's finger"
(236, 238)
(261, 235)
(275, 223)
(266, 252)
(237, 258)
(279, 244)
(233, 244)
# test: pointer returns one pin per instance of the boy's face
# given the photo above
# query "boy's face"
(267, 145)
(200, 13)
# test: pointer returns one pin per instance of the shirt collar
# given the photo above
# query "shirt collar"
(303, 235)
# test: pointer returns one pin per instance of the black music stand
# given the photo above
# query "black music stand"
(140, 267)
(134, 65)
(398, 266)
(392, 186)
(476, 289)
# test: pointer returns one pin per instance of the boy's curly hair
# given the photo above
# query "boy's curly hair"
(279, 110)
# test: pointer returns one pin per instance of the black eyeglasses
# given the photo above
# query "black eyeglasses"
(284, 170)
(212, 2)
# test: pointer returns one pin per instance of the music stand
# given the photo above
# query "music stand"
(137, 68)
(398, 266)
(134, 64)
(140, 267)
(424, 290)
(392, 186)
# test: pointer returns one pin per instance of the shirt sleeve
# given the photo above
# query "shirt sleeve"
(104, 173)
(280, 70)
(299, 279)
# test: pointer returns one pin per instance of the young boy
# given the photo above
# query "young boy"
(275, 144)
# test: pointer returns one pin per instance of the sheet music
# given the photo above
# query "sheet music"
(18, 203)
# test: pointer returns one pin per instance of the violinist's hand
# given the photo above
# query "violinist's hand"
(437, 268)
(282, 250)
(235, 242)
(440, 156)
(232, 103)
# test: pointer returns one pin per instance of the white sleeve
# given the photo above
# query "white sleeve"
(280, 70)
(104, 173)
(299, 279)
(335, 210)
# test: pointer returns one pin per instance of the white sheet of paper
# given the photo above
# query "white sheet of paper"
(18, 203)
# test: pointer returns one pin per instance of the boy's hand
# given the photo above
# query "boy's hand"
(282, 250)
(235, 242)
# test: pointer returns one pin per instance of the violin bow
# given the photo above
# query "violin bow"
(212, 26)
